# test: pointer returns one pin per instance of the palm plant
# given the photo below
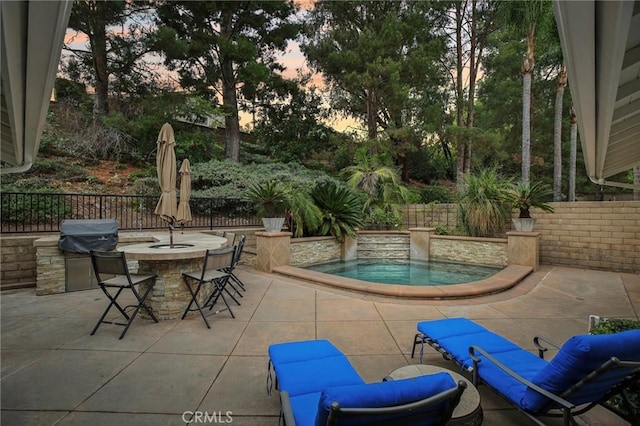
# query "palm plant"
(483, 204)
(341, 210)
(270, 196)
(523, 196)
(380, 184)
(303, 216)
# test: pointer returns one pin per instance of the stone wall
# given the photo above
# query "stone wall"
(484, 251)
(583, 234)
(387, 245)
(309, 251)
(17, 262)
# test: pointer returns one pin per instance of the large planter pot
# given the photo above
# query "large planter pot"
(273, 224)
(524, 224)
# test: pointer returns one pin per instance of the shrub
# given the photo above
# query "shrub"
(437, 194)
(483, 209)
(341, 210)
(632, 393)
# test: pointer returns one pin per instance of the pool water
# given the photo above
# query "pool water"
(407, 272)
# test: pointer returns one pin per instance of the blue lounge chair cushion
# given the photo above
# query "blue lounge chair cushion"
(383, 394)
(304, 408)
(282, 353)
(456, 335)
(314, 375)
(578, 357)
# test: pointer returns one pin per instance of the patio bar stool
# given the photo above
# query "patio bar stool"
(216, 262)
(114, 278)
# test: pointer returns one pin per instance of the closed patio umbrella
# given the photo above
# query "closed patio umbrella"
(184, 209)
(166, 164)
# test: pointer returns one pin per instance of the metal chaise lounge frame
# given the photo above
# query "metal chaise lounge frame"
(629, 375)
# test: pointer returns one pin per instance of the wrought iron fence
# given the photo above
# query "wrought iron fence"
(23, 212)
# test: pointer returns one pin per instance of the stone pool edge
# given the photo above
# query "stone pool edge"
(501, 281)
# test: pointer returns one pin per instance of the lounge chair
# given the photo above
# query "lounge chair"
(319, 386)
(586, 371)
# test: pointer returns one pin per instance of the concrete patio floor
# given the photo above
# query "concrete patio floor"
(55, 373)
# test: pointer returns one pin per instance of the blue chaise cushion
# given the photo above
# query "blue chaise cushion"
(384, 394)
(282, 353)
(579, 356)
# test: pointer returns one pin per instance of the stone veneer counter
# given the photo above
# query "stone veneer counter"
(170, 296)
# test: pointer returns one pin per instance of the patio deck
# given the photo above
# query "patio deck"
(55, 373)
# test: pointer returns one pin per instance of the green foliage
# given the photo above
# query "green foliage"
(70, 92)
(34, 208)
(270, 196)
(382, 192)
(437, 194)
(441, 230)
(303, 215)
(341, 210)
(632, 393)
(383, 217)
(482, 203)
(522, 197)
(382, 63)
(615, 325)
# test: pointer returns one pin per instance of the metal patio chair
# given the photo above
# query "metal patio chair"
(213, 272)
(236, 259)
(114, 279)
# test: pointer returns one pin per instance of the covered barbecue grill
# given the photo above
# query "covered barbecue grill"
(82, 236)
(77, 238)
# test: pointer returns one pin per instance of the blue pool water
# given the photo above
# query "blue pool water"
(407, 272)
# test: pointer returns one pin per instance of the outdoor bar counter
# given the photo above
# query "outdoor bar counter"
(169, 296)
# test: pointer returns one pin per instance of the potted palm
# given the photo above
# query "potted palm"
(524, 196)
(272, 202)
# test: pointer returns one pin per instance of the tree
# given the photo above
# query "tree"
(572, 155)
(474, 22)
(381, 62)
(288, 123)
(557, 136)
(225, 49)
(526, 15)
(111, 50)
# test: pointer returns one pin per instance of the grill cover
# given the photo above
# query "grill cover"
(81, 236)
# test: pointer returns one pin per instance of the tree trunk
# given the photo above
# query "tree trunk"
(572, 157)
(526, 127)
(372, 114)
(460, 142)
(229, 96)
(557, 137)
(636, 181)
(98, 40)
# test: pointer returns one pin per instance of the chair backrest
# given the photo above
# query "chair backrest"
(108, 263)
(231, 238)
(238, 250)
(425, 400)
(217, 259)
(218, 233)
(566, 374)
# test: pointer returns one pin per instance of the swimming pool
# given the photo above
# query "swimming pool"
(407, 272)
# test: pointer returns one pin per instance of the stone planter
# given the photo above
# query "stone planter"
(273, 224)
(524, 224)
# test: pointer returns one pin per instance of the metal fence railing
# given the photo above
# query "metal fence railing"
(23, 212)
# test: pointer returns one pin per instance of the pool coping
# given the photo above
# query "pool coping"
(501, 281)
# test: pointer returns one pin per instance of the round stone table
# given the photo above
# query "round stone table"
(170, 296)
(468, 412)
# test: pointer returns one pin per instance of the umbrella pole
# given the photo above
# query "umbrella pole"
(171, 234)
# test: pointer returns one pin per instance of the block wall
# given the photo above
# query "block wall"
(18, 262)
(592, 235)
